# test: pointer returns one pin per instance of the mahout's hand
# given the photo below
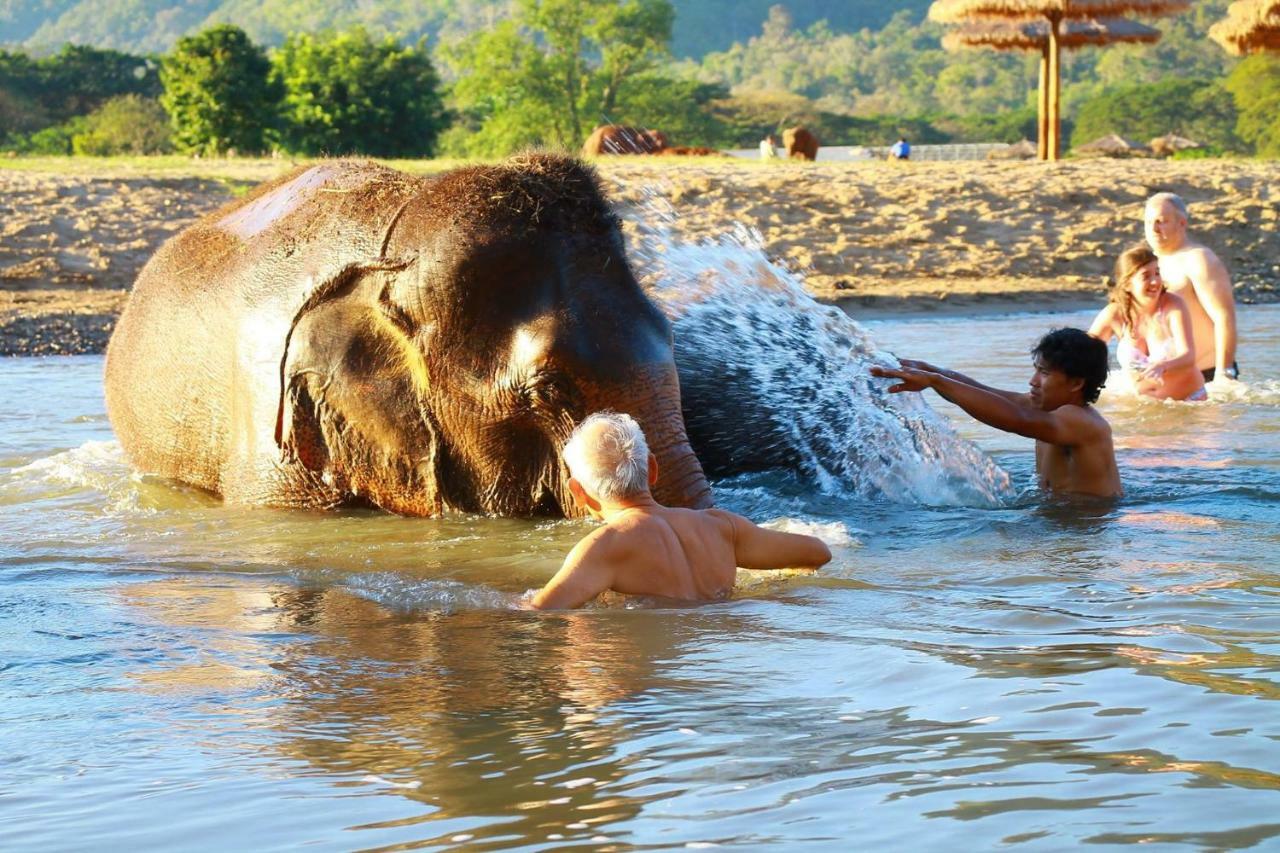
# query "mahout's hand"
(912, 380)
(917, 364)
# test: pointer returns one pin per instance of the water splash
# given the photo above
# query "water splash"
(96, 470)
(774, 379)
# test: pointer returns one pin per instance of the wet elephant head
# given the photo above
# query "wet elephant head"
(449, 374)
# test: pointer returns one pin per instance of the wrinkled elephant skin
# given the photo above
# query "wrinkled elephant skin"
(352, 335)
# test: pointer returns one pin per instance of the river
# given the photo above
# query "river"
(179, 674)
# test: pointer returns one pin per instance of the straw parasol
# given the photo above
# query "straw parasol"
(1034, 35)
(1111, 145)
(1054, 12)
(1250, 26)
(1171, 143)
(1023, 150)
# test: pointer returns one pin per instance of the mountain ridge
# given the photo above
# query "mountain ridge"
(153, 26)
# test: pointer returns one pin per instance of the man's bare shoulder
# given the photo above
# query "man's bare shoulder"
(1197, 259)
(1084, 422)
(609, 541)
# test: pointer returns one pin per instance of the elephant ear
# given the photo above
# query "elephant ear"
(353, 392)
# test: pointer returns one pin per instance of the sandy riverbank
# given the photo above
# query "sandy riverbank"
(882, 236)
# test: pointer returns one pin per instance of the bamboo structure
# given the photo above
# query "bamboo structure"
(1034, 35)
(1251, 26)
(1053, 13)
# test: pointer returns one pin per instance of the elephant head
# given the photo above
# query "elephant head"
(448, 374)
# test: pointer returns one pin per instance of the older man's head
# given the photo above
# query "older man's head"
(1165, 222)
(608, 455)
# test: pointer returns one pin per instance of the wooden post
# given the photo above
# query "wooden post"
(1042, 106)
(1055, 90)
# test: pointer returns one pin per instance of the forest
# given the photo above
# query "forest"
(469, 78)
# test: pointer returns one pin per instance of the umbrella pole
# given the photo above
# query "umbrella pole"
(1055, 91)
(1042, 106)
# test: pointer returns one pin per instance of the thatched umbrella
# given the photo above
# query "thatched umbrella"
(1171, 143)
(1034, 35)
(1054, 12)
(1023, 150)
(1111, 145)
(1250, 26)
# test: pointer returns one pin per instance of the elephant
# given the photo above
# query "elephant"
(800, 143)
(620, 139)
(349, 335)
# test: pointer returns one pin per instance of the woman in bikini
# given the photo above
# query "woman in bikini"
(1154, 328)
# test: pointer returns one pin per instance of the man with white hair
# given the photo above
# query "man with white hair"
(1195, 273)
(645, 548)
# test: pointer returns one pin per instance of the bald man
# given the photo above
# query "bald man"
(1200, 279)
(645, 548)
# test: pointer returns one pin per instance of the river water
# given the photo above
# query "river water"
(178, 674)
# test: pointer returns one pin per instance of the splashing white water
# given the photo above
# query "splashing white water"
(96, 468)
(774, 379)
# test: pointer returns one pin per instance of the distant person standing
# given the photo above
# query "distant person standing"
(1194, 273)
(768, 148)
(900, 150)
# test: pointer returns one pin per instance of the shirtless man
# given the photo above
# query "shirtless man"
(1194, 273)
(1074, 452)
(645, 548)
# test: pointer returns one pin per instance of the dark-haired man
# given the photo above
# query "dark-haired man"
(1074, 452)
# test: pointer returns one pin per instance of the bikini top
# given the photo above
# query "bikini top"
(1158, 349)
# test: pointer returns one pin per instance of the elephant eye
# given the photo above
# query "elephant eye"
(395, 312)
(551, 390)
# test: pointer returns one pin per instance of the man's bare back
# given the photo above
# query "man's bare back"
(654, 551)
(645, 548)
(669, 552)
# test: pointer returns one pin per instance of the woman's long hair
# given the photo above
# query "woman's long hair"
(1130, 261)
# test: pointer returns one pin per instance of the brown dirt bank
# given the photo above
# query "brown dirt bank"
(916, 236)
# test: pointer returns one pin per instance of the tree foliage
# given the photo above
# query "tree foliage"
(1198, 109)
(38, 93)
(555, 70)
(1255, 86)
(349, 93)
(129, 124)
(750, 117)
(218, 94)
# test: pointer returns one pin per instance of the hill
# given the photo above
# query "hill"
(152, 26)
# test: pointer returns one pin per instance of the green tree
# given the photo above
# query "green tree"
(79, 79)
(554, 70)
(1198, 109)
(218, 94)
(346, 93)
(129, 124)
(1255, 88)
(682, 109)
(36, 94)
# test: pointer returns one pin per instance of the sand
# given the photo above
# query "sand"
(957, 236)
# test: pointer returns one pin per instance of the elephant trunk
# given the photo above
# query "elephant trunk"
(654, 402)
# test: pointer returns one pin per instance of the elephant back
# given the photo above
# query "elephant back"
(192, 367)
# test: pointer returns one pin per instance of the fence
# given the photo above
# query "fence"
(852, 153)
